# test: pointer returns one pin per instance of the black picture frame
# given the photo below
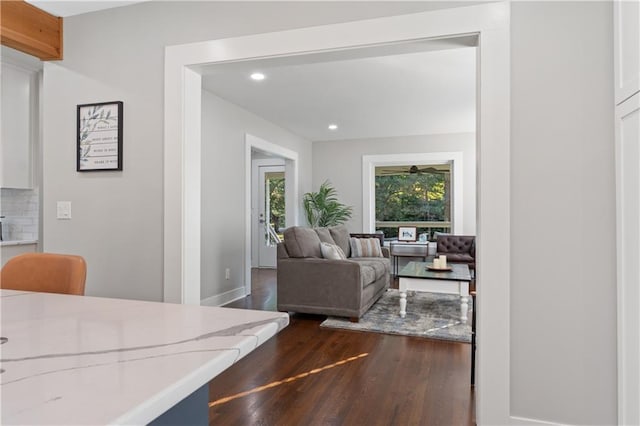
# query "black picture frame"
(99, 137)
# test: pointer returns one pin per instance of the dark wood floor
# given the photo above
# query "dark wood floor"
(306, 375)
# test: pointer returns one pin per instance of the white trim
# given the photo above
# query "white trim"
(524, 421)
(627, 267)
(182, 185)
(254, 143)
(224, 298)
(624, 89)
(491, 21)
(370, 162)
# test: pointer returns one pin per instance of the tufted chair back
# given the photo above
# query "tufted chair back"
(456, 244)
(458, 248)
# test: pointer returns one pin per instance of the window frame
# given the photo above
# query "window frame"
(370, 162)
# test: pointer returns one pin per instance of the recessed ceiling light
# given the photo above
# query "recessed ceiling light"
(333, 127)
(257, 76)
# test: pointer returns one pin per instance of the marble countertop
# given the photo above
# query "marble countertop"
(89, 360)
(17, 242)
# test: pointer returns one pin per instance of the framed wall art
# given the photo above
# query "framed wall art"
(407, 233)
(99, 136)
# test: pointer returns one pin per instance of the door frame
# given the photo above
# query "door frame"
(182, 141)
(254, 143)
(627, 269)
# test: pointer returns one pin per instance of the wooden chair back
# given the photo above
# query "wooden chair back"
(45, 272)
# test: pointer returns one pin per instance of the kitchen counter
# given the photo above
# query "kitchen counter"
(89, 360)
(17, 243)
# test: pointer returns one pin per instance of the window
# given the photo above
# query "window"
(416, 195)
(275, 206)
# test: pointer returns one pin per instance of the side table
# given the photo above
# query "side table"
(406, 249)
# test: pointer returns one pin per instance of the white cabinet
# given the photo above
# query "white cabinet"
(11, 249)
(627, 48)
(19, 128)
(628, 253)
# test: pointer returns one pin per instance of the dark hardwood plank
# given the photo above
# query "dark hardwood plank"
(322, 376)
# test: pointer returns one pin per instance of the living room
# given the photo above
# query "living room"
(292, 107)
(552, 133)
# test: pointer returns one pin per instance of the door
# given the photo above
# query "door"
(271, 213)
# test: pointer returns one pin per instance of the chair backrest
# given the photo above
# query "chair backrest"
(456, 244)
(45, 272)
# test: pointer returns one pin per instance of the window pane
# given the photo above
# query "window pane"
(414, 196)
(275, 201)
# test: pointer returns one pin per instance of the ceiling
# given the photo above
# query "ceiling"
(423, 87)
(71, 8)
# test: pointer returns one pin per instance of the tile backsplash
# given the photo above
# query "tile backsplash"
(20, 210)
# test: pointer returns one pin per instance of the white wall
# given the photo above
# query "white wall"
(341, 163)
(224, 126)
(118, 54)
(563, 316)
(563, 297)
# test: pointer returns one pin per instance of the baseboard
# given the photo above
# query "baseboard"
(224, 298)
(524, 421)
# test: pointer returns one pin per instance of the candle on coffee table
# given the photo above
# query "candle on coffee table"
(436, 263)
(443, 261)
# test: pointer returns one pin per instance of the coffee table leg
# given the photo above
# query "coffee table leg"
(403, 304)
(464, 307)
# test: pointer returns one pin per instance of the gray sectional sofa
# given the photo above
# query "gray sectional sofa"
(308, 283)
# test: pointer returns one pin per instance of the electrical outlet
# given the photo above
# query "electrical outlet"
(227, 274)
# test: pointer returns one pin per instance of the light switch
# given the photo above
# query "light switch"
(64, 210)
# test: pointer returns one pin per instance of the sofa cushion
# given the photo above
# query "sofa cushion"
(365, 247)
(332, 251)
(325, 235)
(302, 242)
(340, 235)
(372, 268)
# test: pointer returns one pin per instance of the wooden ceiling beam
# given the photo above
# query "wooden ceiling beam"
(28, 29)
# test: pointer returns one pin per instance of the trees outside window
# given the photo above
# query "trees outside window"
(413, 196)
(276, 200)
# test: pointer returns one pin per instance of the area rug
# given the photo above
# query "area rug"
(432, 315)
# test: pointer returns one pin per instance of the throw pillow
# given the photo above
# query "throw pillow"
(365, 247)
(332, 251)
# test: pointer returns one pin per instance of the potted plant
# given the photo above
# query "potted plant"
(322, 208)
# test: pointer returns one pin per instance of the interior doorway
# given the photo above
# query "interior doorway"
(268, 204)
(182, 139)
(269, 168)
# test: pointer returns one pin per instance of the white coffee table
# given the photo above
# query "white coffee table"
(416, 277)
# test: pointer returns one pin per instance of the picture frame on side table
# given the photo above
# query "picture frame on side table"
(407, 233)
(99, 143)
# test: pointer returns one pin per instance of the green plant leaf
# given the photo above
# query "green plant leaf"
(323, 209)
